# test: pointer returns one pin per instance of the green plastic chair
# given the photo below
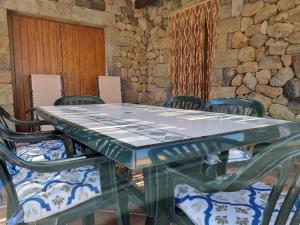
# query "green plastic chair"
(46, 139)
(237, 106)
(240, 198)
(5, 117)
(184, 102)
(78, 100)
(92, 178)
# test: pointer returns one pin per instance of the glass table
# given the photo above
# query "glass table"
(147, 137)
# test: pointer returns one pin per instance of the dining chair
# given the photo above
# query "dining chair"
(59, 191)
(184, 102)
(45, 142)
(235, 106)
(243, 197)
(39, 97)
(78, 100)
(109, 89)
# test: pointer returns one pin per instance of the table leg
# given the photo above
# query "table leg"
(155, 186)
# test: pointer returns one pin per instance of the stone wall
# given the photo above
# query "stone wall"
(257, 54)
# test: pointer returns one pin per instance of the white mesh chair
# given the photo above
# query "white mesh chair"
(45, 89)
(109, 89)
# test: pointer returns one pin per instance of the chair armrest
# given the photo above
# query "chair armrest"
(28, 137)
(53, 165)
(279, 155)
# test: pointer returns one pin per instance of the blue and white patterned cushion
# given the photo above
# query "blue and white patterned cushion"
(44, 194)
(43, 151)
(235, 155)
(243, 207)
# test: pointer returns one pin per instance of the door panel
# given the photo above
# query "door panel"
(47, 47)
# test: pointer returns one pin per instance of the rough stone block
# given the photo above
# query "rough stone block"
(237, 80)
(296, 64)
(229, 25)
(294, 38)
(5, 77)
(143, 23)
(263, 76)
(280, 30)
(238, 40)
(247, 67)
(266, 101)
(287, 60)
(217, 78)
(225, 12)
(242, 90)
(219, 92)
(6, 94)
(250, 81)
(260, 53)
(293, 49)
(278, 47)
(293, 15)
(292, 89)
(161, 69)
(246, 54)
(265, 13)
(282, 77)
(281, 112)
(237, 7)
(258, 40)
(280, 100)
(228, 74)
(270, 91)
(226, 59)
(246, 22)
(253, 29)
(284, 5)
(270, 62)
(252, 9)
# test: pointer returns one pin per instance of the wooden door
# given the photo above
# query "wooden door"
(41, 46)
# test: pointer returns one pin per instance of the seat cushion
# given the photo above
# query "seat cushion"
(244, 207)
(235, 155)
(43, 151)
(45, 194)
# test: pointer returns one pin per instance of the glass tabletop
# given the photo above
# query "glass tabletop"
(139, 136)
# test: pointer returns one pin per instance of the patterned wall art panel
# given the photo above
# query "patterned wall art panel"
(193, 32)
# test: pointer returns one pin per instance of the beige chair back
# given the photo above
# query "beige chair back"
(45, 89)
(109, 89)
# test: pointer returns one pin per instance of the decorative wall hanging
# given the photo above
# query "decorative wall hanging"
(193, 32)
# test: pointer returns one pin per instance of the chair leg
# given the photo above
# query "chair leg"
(47, 221)
(88, 220)
(122, 209)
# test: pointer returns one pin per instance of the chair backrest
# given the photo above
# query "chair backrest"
(109, 89)
(184, 102)
(237, 106)
(4, 118)
(78, 100)
(45, 89)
